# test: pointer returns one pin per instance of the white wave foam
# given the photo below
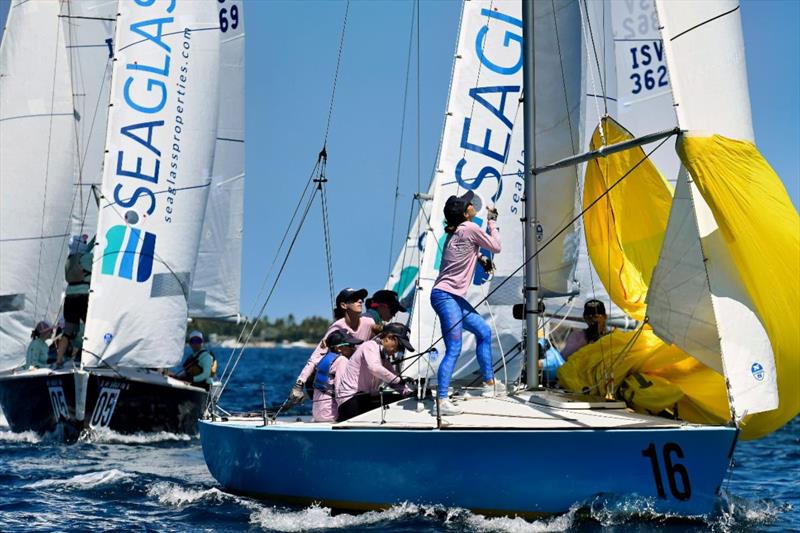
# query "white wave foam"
(25, 436)
(112, 437)
(89, 480)
(505, 524)
(317, 517)
(172, 494)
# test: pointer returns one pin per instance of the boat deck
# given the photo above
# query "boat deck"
(538, 410)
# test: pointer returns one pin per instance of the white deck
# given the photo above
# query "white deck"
(546, 410)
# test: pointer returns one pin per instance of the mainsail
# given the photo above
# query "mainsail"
(158, 166)
(482, 151)
(217, 276)
(37, 139)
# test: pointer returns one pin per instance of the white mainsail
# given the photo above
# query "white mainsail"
(217, 276)
(89, 30)
(697, 299)
(37, 139)
(482, 151)
(160, 144)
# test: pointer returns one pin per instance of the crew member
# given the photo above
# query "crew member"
(36, 355)
(594, 314)
(461, 253)
(383, 305)
(368, 368)
(78, 274)
(341, 346)
(200, 367)
(347, 315)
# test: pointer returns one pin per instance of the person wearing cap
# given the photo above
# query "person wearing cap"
(198, 369)
(383, 305)
(459, 258)
(341, 346)
(36, 355)
(594, 314)
(349, 306)
(368, 368)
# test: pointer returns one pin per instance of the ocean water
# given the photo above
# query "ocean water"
(160, 483)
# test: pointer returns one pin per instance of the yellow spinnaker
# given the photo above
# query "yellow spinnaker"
(761, 229)
(762, 232)
(625, 229)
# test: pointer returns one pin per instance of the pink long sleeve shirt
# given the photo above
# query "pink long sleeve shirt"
(363, 332)
(365, 372)
(325, 408)
(460, 255)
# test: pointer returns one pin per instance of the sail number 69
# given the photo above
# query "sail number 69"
(675, 471)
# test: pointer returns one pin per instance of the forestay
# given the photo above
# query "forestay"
(37, 139)
(217, 276)
(698, 298)
(89, 29)
(160, 143)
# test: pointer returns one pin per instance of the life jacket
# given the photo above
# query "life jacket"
(323, 381)
(75, 271)
(192, 365)
(551, 360)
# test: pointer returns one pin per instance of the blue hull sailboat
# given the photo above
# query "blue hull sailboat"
(542, 455)
(705, 358)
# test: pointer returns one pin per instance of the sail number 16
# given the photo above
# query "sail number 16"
(675, 471)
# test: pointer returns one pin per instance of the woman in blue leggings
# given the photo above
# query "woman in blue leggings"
(460, 255)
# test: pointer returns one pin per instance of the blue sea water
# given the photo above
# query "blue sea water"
(160, 483)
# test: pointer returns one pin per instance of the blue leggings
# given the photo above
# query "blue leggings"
(454, 313)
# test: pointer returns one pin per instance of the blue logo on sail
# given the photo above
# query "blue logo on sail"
(135, 259)
(758, 371)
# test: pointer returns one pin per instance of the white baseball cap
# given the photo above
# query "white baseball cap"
(196, 335)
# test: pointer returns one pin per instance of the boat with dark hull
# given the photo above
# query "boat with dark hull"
(146, 279)
(140, 400)
(44, 401)
(68, 402)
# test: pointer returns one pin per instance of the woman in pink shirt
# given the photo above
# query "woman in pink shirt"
(461, 253)
(368, 368)
(341, 346)
(349, 304)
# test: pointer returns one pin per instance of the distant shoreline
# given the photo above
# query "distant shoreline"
(231, 343)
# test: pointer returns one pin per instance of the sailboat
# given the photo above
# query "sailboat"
(584, 444)
(163, 183)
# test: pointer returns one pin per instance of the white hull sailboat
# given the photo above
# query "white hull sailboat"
(157, 175)
(541, 451)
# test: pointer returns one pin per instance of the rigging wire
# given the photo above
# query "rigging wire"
(400, 149)
(326, 230)
(47, 173)
(318, 176)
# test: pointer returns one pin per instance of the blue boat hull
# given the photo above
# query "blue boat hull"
(522, 472)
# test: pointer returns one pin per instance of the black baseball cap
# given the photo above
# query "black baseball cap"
(455, 206)
(387, 297)
(349, 295)
(400, 331)
(341, 337)
(594, 307)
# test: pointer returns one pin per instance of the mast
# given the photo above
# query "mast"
(531, 245)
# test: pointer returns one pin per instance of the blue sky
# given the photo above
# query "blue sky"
(291, 57)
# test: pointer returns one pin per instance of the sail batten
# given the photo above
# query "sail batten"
(156, 178)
